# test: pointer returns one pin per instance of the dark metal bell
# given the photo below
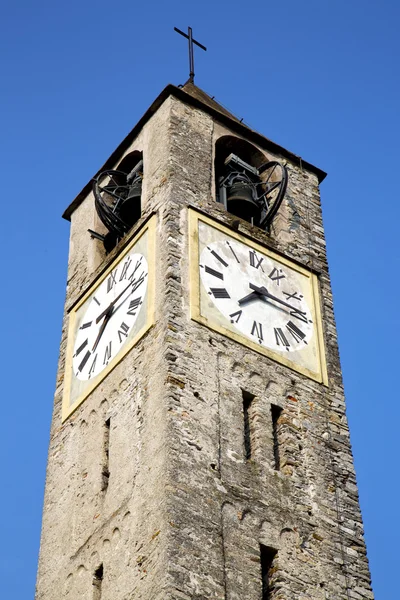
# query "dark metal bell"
(130, 209)
(240, 201)
(135, 190)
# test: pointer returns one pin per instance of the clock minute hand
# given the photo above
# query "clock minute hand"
(105, 311)
(264, 292)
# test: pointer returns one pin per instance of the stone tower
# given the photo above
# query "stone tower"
(199, 450)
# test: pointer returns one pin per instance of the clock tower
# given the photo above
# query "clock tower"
(199, 444)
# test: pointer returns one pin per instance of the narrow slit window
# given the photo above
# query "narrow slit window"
(248, 426)
(106, 453)
(97, 582)
(276, 412)
(267, 555)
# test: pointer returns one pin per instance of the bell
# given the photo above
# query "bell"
(240, 202)
(130, 209)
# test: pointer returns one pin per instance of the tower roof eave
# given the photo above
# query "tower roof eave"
(194, 96)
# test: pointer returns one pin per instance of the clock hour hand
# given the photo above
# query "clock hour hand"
(250, 296)
(107, 317)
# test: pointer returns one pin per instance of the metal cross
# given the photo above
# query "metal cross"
(189, 36)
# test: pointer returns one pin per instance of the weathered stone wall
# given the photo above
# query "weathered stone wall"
(184, 512)
(122, 527)
(225, 505)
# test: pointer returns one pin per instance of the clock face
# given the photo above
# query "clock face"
(110, 315)
(256, 297)
(110, 318)
(260, 297)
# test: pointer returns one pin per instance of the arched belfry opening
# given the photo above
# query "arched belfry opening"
(117, 195)
(247, 185)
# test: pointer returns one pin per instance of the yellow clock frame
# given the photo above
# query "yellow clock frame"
(147, 230)
(198, 315)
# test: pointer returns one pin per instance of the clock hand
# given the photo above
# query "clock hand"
(105, 311)
(120, 304)
(107, 316)
(264, 292)
(250, 296)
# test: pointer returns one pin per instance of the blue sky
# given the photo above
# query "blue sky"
(318, 77)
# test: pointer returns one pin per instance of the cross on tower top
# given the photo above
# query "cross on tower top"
(189, 36)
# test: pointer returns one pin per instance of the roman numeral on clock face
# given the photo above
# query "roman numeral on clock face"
(111, 281)
(133, 305)
(296, 332)
(280, 338)
(255, 261)
(233, 252)
(84, 361)
(236, 314)
(276, 275)
(123, 331)
(138, 283)
(299, 314)
(213, 272)
(93, 366)
(219, 293)
(81, 347)
(294, 296)
(132, 275)
(257, 331)
(125, 268)
(217, 256)
(107, 354)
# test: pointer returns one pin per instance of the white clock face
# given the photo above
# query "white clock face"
(256, 297)
(260, 297)
(109, 319)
